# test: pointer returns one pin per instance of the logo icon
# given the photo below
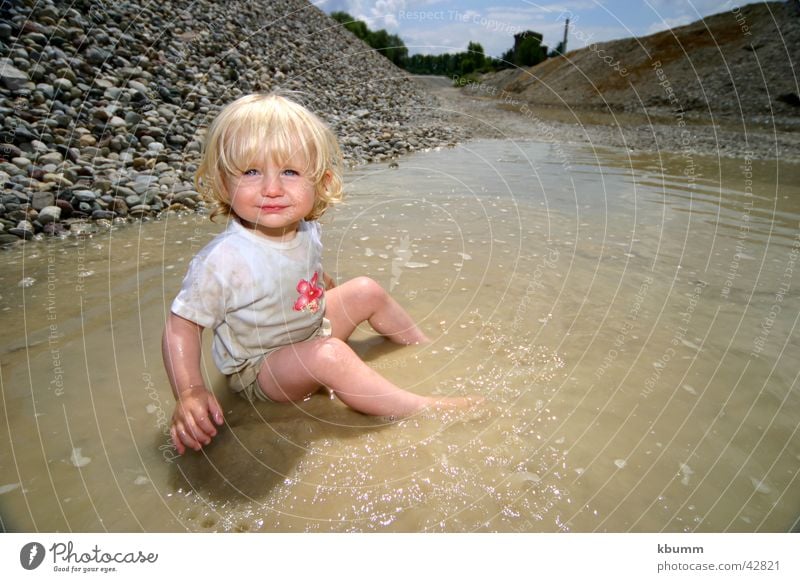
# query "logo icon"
(31, 555)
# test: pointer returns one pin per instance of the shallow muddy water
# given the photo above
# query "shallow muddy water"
(632, 323)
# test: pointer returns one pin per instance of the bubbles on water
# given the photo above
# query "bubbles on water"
(9, 487)
(760, 486)
(687, 472)
(77, 459)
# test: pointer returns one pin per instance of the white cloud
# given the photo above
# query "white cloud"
(377, 14)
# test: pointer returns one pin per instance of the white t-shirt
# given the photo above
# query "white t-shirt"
(254, 293)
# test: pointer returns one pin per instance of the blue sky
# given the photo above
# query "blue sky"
(437, 26)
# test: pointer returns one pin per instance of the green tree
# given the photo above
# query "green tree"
(389, 45)
(357, 27)
(559, 50)
(530, 52)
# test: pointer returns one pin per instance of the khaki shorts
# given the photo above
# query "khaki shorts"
(245, 381)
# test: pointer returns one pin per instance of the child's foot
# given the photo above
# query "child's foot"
(457, 402)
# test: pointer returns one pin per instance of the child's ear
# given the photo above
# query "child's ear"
(326, 179)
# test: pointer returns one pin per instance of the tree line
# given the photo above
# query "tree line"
(527, 51)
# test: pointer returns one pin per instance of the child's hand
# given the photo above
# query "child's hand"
(191, 421)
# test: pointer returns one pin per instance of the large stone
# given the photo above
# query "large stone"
(137, 86)
(9, 151)
(66, 208)
(49, 214)
(139, 210)
(103, 215)
(144, 182)
(85, 196)
(42, 200)
(96, 56)
(63, 84)
(50, 158)
(12, 78)
(87, 140)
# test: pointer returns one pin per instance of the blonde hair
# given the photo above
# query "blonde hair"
(268, 127)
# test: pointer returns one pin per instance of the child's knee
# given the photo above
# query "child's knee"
(369, 289)
(333, 353)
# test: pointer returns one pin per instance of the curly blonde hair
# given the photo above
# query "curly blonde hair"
(268, 127)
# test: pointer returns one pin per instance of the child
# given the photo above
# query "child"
(273, 168)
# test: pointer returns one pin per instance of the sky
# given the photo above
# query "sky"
(439, 26)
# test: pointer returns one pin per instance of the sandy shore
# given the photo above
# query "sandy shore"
(485, 115)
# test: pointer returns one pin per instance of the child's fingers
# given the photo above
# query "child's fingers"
(206, 428)
(197, 432)
(188, 433)
(173, 432)
(216, 410)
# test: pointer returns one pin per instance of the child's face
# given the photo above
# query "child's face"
(272, 199)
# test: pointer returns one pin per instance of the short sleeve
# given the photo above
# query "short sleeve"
(202, 298)
(315, 233)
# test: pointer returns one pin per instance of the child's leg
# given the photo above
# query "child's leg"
(362, 299)
(296, 371)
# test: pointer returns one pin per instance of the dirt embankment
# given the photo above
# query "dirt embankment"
(724, 86)
(741, 63)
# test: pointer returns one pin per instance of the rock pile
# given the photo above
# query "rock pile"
(104, 104)
(738, 65)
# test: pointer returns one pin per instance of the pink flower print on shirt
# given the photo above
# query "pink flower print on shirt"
(310, 293)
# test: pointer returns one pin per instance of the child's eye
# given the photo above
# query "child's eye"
(250, 172)
(291, 172)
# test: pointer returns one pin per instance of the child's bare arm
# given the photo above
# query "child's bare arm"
(196, 405)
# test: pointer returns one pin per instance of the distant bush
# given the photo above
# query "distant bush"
(389, 45)
(528, 50)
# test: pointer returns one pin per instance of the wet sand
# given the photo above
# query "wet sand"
(633, 329)
(486, 112)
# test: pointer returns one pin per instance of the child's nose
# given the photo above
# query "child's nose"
(271, 186)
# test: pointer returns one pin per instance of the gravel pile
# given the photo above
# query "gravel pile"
(103, 105)
(736, 66)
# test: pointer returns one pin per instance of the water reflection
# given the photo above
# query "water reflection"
(633, 331)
